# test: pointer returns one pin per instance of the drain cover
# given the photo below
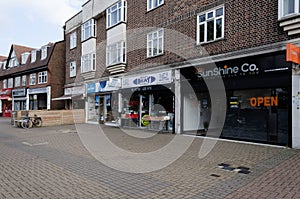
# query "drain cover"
(239, 169)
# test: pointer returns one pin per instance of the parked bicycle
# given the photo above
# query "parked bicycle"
(28, 122)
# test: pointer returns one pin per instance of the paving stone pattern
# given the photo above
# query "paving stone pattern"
(55, 164)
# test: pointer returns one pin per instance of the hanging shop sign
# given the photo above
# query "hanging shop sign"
(266, 101)
(19, 92)
(37, 90)
(147, 80)
(293, 53)
(227, 70)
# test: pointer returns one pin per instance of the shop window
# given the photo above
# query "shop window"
(73, 69)
(155, 43)
(4, 83)
(288, 8)
(116, 53)
(32, 79)
(116, 14)
(88, 29)
(151, 4)
(17, 81)
(73, 40)
(24, 80)
(210, 25)
(10, 83)
(42, 78)
(88, 63)
(33, 56)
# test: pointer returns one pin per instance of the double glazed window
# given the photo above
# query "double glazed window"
(44, 52)
(33, 56)
(73, 39)
(10, 82)
(73, 69)
(43, 77)
(24, 80)
(88, 29)
(210, 25)
(116, 53)
(151, 4)
(4, 83)
(116, 14)
(288, 7)
(32, 79)
(88, 63)
(17, 81)
(155, 43)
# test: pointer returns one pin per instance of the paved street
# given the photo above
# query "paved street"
(51, 162)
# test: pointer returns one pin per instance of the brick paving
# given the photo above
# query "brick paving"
(51, 162)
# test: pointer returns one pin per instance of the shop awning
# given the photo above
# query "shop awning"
(67, 97)
(5, 98)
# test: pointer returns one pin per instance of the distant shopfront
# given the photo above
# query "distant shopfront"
(148, 101)
(39, 98)
(102, 101)
(6, 102)
(258, 93)
(73, 97)
(19, 99)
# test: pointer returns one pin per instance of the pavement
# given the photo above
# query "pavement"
(52, 162)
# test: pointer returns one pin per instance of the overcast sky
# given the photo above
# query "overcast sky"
(34, 23)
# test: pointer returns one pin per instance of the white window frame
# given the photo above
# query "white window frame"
(33, 56)
(24, 79)
(44, 52)
(73, 40)
(42, 77)
(17, 81)
(281, 12)
(4, 83)
(88, 63)
(118, 9)
(32, 79)
(116, 53)
(73, 69)
(88, 29)
(209, 17)
(10, 83)
(152, 4)
(24, 57)
(155, 39)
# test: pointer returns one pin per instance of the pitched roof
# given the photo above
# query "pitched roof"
(21, 49)
(2, 58)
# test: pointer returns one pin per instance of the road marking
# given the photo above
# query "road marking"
(36, 144)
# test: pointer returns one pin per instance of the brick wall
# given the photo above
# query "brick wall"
(73, 55)
(57, 74)
(248, 23)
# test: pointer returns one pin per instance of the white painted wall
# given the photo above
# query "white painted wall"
(117, 33)
(74, 22)
(88, 46)
(296, 109)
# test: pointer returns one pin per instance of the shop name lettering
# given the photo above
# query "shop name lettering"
(264, 101)
(144, 80)
(244, 69)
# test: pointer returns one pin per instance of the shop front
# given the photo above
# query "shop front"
(19, 99)
(258, 95)
(102, 102)
(6, 102)
(38, 98)
(73, 97)
(147, 101)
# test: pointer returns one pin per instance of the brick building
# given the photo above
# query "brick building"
(187, 62)
(33, 77)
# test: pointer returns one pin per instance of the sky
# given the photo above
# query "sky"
(34, 23)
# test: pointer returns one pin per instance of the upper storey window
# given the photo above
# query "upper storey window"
(288, 7)
(88, 29)
(44, 52)
(210, 25)
(73, 40)
(151, 4)
(116, 14)
(33, 56)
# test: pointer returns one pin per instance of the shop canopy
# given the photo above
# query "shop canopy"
(67, 97)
